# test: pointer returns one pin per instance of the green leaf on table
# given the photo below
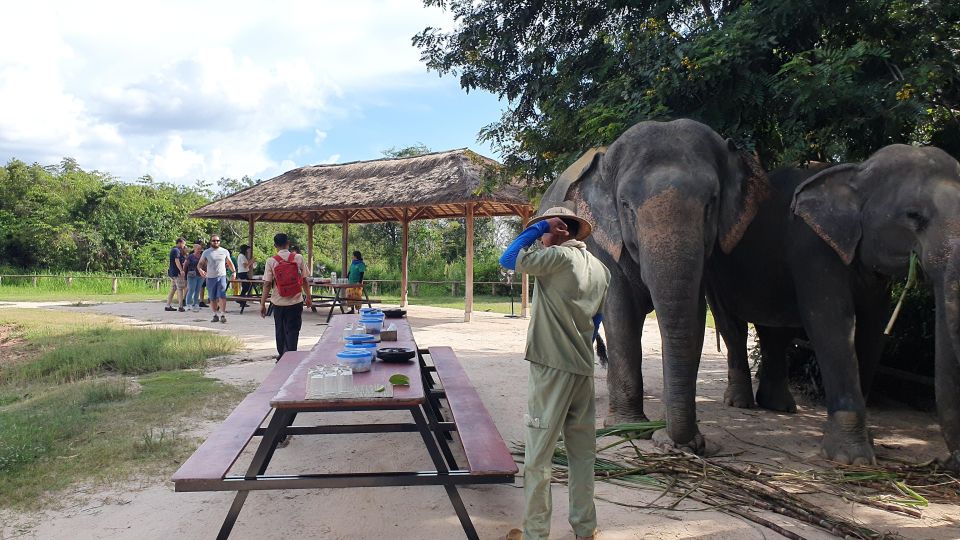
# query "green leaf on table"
(380, 388)
(399, 379)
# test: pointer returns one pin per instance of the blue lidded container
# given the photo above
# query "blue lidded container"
(363, 346)
(357, 360)
(359, 338)
(370, 311)
(372, 325)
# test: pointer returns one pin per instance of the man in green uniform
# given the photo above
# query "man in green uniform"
(570, 291)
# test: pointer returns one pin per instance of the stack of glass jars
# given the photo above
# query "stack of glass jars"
(330, 380)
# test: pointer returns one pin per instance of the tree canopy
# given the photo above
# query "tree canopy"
(794, 80)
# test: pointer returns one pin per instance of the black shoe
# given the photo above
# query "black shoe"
(181, 310)
(203, 304)
(169, 308)
(285, 441)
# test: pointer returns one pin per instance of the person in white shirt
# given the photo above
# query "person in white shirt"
(215, 261)
(246, 266)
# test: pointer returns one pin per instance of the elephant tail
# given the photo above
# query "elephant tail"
(602, 351)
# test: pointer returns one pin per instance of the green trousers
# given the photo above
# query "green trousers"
(558, 403)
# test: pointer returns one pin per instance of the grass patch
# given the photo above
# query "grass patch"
(70, 412)
(81, 287)
(67, 347)
(91, 430)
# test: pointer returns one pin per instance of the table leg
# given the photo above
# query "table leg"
(271, 438)
(452, 493)
(333, 304)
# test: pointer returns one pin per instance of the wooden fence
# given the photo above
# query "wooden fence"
(496, 288)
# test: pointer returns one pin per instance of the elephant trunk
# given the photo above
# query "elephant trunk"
(947, 379)
(674, 275)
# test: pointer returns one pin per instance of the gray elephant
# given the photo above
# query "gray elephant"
(661, 197)
(821, 254)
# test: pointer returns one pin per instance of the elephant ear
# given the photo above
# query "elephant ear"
(829, 202)
(740, 197)
(583, 189)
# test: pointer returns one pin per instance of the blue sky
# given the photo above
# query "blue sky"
(185, 90)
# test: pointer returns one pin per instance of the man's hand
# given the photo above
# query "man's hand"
(263, 310)
(308, 301)
(558, 229)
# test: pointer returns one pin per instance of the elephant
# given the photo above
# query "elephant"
(661, 197)
(821, 256)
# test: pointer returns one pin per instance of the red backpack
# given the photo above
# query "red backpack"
(286, 276)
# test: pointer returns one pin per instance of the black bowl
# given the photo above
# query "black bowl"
(394, 313)
(396, 354)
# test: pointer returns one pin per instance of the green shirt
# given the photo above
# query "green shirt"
(356, 269)
(570, 290)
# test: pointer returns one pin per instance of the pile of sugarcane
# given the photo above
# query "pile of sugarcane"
(742, 489)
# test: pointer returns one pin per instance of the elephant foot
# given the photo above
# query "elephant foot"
(776, 398)
(846, 440)
(739, 396)
(697, 445)
(951, 462)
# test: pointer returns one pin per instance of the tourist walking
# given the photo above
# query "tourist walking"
(178, 275)
(215, 261)
(285, 285)
(195, 277)
(570, 291)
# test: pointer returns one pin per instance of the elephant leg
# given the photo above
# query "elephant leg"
(872, 315)
(739, 392)
(947, 374)
(773, 392)
(828, 313)
(624, 314)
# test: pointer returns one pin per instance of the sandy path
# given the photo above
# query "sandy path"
(491, 350)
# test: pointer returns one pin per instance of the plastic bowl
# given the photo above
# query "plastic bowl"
(396, 354)
(355, 359)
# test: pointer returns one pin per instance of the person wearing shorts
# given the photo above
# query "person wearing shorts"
(177, 274)
(215, 261)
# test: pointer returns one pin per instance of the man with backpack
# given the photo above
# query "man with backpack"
(285, 284)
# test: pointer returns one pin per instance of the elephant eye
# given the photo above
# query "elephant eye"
(919, 220)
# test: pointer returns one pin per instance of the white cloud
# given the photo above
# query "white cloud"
(331, 160)
(192, 89)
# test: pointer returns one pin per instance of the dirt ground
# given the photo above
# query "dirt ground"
(491, 349)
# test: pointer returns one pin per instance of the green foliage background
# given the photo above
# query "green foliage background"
(794, 80)
(62, 218)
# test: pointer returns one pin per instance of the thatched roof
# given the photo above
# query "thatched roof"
(428, 186)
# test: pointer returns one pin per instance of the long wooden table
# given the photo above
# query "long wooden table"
(419, 398)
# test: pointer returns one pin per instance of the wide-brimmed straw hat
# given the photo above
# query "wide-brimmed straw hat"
(563, 212)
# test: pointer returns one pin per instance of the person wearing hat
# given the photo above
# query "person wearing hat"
(570, 290)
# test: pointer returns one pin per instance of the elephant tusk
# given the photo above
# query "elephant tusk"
(911, 281)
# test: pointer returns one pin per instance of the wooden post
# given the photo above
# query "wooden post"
(405, 227)
(453, 288)
(468, 308)
(524, 278)
(250, 226)
(493, 289)
(69, 281)
(310, 247)
(115, 285)
(346, 239)
(34, 281)
(158, 284)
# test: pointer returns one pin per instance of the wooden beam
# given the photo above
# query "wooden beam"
(422, 211)
(524, 278)
(250, 227)
(405, 244)
(345, 225)
(310, 247)
(468, 308)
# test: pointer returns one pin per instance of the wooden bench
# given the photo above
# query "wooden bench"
(243, 300)
(486, 453)
(208, 466)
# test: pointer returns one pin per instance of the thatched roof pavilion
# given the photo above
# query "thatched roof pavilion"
(428, 186)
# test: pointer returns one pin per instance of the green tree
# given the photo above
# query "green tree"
(792, 79)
